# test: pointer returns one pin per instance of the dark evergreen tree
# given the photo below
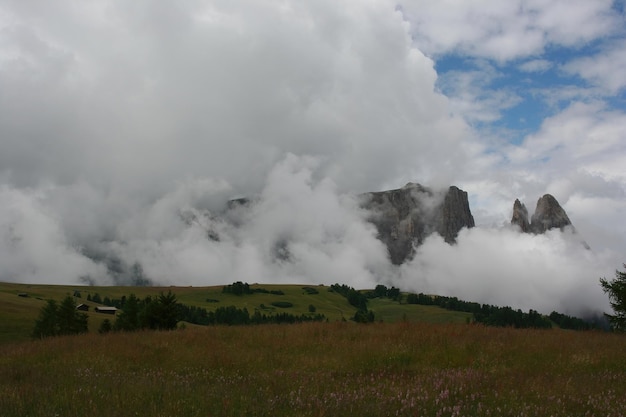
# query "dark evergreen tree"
(168, 311)
(105, 327)
(616, 290)
(128, 319)
(148, 316)
(63, 319)
(393, 293)
(237, 288)
(380, 291)
(363, 316)
(65, 316)
(46, 324)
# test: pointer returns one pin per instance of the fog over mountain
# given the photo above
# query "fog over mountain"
(126, 128)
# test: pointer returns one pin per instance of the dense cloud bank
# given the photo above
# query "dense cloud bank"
(297, 230)
(126, 127)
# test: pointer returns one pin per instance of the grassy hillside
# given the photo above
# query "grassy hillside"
(17, 314)
(317, 369)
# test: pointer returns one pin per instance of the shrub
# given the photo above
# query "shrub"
(105, 327)
(282, 304)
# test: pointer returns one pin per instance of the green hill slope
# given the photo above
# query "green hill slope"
(20, 304)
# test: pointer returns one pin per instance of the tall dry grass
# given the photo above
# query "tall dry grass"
(316, 369)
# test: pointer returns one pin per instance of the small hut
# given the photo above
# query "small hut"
(106, 310)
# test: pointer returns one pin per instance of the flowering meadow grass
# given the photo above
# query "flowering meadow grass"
(318, 369)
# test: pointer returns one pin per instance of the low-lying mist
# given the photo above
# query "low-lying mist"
(298, 229)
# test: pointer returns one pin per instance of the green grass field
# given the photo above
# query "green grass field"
(318, 369)
(419, 361)
(18, 314)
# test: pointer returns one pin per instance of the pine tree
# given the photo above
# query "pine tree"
(168, 311)
(63, 319)
(128, 320)
(46, 324)
(616, 290)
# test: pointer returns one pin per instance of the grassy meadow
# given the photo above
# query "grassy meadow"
(421, 361)
(18, 314)
(318, 369)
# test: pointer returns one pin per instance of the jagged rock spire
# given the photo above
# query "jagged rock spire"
(520, 216)
(548, 215)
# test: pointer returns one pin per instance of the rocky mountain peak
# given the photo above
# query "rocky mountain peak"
(520, 216)
(548, 215)
(404, 217)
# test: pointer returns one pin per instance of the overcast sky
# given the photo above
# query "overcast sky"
(126, 126)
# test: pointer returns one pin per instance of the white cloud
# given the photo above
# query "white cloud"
(536, 65)
(33, 247)
(604, 69)
(502, 266)
(577, 155)
(583, 136)
(218, 91)
(299, 230)
(508, 30)
(470, 96)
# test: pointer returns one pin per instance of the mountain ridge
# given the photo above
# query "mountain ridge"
(404, 217)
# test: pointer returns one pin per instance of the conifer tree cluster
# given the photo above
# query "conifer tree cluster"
(60, 319)
(160, 313)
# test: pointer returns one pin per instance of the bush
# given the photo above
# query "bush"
(237, 288)
(282, 304)
(105, 327)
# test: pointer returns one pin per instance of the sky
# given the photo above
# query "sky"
(125, 128)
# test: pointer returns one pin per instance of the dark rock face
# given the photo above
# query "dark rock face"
(548, 215)
(406, 216)
(454, 214)
(520, 216)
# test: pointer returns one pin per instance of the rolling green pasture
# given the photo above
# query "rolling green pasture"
(18, 314)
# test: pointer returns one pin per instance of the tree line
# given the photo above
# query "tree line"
(356, 299)
(156, 313)
(164, 312)
(492, 315)
(243, 288)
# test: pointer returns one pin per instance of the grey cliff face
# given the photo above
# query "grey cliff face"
(548, 215)
(520, 216)
(454, 214)
(405, 217)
